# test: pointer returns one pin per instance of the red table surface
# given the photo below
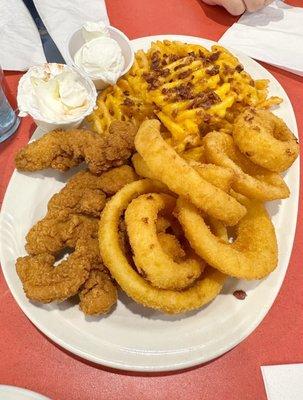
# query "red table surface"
(28, 359)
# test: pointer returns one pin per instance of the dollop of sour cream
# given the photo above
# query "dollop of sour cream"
(93, 30)
(100, 56)
(54, 93)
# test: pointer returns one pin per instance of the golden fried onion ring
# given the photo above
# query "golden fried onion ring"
(149, 257)
(170, 301)
(171, 245)
(168, 167)
(218, 176)
(254, 253)
(250, 180)
(265, 139)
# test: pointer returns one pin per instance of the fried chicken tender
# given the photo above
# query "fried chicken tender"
(82, 272)
(71, 223)
(62, 150)
(98, 294)
(45, 283)
(59, 230)
(85, 193)
(74, 211)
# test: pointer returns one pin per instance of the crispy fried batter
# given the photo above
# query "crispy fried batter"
(98, 294)
(59, 230)
(84, 193)
(62, 150)
(71, 211)
(72, 223)
(45, 283)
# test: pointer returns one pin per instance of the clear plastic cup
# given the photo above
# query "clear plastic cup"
(9, 121)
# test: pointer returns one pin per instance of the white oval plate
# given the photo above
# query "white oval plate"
(16, 393)
(133, 337)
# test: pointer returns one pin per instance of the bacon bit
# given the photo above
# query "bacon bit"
(165, 91)
(126, 93)
(201, 54)
(214, 57)
(207, 118)
(164, 72)
(239, 294)
(213, 71)
(228, 70)
(184, 91)
(148, 77)
(174, 113)
(239, 68)
(128, 102)
(205, 100)
(173, 57)
(184, 74)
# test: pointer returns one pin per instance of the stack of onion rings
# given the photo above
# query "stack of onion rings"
(165, 164)
(250, 180)
(168, 240)
(150, 258)
(201, 292)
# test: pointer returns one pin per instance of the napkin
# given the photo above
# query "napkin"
(273, 34)
(283, 382)
(20, 45)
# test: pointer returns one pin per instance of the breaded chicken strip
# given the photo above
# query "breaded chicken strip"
(62, 150)
(82, 272)
(44, 282)
(85, 192)
(73, 212)
(59, 230)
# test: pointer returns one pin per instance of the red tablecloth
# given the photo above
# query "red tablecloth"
(30, 360)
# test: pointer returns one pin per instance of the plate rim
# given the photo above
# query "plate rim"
(197, 359)
(17, 389)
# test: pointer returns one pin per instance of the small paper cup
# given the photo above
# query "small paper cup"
(76, 41)
(33, 110)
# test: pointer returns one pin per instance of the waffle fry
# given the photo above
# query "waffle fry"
(190, 89)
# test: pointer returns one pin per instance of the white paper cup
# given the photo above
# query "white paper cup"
(76, 41)
(25, 102)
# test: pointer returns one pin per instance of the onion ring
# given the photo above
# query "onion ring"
(265, 139)
(250, 180)
(168, 167)
(254, 253)
(171, 245)
(214, 174)
(170, 301)
(149, 257)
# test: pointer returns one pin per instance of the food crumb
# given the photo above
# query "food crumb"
(240, 294)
